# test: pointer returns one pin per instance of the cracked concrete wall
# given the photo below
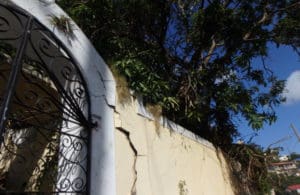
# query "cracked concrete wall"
(126, 159)
(168, 163)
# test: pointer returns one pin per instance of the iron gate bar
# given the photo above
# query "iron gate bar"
(75, 111)
(13, 77)
(85, 121)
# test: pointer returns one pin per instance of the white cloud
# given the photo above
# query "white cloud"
(292, 88)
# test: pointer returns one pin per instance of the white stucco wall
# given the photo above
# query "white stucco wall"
(171, 162)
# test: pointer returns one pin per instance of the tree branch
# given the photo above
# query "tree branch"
(288, 7)
(261, 21)
(267, 14)
(226, 3)
(210, 51)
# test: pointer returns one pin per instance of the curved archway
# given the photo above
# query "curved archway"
(46, 120)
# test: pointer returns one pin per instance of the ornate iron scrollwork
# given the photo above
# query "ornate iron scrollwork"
(46, 131)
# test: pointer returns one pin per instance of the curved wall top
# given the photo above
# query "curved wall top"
(90, 63)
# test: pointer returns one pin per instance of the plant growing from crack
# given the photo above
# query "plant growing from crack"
(63, 24)
(182, 188)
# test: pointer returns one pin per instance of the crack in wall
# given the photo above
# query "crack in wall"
(133, 148)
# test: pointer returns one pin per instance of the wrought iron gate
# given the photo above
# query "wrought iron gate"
(44, 113)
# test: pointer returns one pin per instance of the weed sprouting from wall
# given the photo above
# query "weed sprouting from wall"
(182, 188)
(63, 24)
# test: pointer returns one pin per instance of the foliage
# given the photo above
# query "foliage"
(281, 182)
(250, 163)
(194, 58)
(253, 175)
(294, 156)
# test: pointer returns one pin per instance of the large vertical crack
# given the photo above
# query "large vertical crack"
(133, 148)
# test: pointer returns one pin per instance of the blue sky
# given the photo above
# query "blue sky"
(286, 65)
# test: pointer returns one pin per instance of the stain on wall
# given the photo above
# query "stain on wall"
(172, 162)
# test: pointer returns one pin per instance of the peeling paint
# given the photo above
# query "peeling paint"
(127, 134)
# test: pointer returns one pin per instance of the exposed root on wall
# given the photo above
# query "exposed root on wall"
(127, 134)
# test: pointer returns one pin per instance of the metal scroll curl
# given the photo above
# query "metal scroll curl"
(11, 25)
(45, 147)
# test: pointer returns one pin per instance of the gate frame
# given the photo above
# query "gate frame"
(100, 85)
